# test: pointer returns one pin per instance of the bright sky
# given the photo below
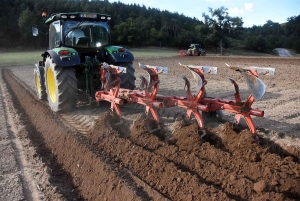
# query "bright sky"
(253, 12)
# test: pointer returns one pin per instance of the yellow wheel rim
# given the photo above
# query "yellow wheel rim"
(51, 85)
(37, 83)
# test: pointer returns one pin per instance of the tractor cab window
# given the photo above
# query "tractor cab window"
(54, 35)
(194, 46)
(86, 34)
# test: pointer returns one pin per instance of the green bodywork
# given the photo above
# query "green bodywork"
(195, 47)
(112, 49)
(86, 37)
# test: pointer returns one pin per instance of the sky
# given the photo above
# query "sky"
(252, 12)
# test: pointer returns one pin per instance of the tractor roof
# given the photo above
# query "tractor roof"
(78, 16)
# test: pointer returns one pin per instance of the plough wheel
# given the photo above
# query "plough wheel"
(61, 86)
(128, 78)
(40, 83)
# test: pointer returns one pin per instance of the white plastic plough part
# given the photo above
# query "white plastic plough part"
(255, 86)
(262, 70)
(206, 69)
(119, 68)
(160, 69)
(210, 70)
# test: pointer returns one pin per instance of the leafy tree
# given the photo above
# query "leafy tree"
(257, 43)
(26, 20)
(221, 25)
(138, 26)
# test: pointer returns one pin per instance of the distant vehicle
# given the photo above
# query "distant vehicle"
(194, 50)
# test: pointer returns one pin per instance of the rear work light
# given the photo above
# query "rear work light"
(63, 52)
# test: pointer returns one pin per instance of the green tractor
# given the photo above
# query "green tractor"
(78, 45)
(196, 50)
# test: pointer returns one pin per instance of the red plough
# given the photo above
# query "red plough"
(149, 96)
(183, 53)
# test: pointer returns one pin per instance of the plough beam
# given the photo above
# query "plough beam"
(149, 97)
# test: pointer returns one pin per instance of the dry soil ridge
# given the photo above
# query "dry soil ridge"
(176, 154)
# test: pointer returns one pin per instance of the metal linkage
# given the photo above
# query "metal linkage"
(117, 96)
(239, 108)
(149, 97)
(110, 77)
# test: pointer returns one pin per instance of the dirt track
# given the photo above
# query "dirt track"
(94, 161)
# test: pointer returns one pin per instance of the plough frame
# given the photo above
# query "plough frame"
(149, 97)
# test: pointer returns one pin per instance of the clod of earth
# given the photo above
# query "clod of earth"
(128, 162)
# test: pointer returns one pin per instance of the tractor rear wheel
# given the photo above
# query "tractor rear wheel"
(128, 78)
(40, 83)
(61, 86)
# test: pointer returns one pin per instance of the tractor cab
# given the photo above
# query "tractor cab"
(79, 43)
(194, 46)
(78, 30)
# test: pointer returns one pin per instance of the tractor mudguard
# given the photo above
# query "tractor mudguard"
(71, 59)
(117, 54)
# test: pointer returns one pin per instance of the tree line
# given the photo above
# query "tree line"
(136, 25)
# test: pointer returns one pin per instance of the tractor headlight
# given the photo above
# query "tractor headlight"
(98, 44)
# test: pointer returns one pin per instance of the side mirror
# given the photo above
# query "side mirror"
(35, 31)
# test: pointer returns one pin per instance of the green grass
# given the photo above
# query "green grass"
(244, 53)
(236, 52)
(153, 52)
(294, 53)
(31, 57)
(19, 58)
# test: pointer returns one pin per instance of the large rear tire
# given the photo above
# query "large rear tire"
(128, 78)
(61, 86)
(40, 83)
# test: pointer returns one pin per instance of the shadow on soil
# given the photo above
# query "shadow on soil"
(58, 177)
(169, 116)
(272, 147)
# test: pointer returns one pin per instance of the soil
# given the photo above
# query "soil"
(87, 155)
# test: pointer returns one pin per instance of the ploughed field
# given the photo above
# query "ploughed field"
(86, 156)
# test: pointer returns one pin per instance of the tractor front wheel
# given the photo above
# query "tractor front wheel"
(61, 86)
(39, 83)
(128, 78)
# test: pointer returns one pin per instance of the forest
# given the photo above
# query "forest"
(136, 25)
